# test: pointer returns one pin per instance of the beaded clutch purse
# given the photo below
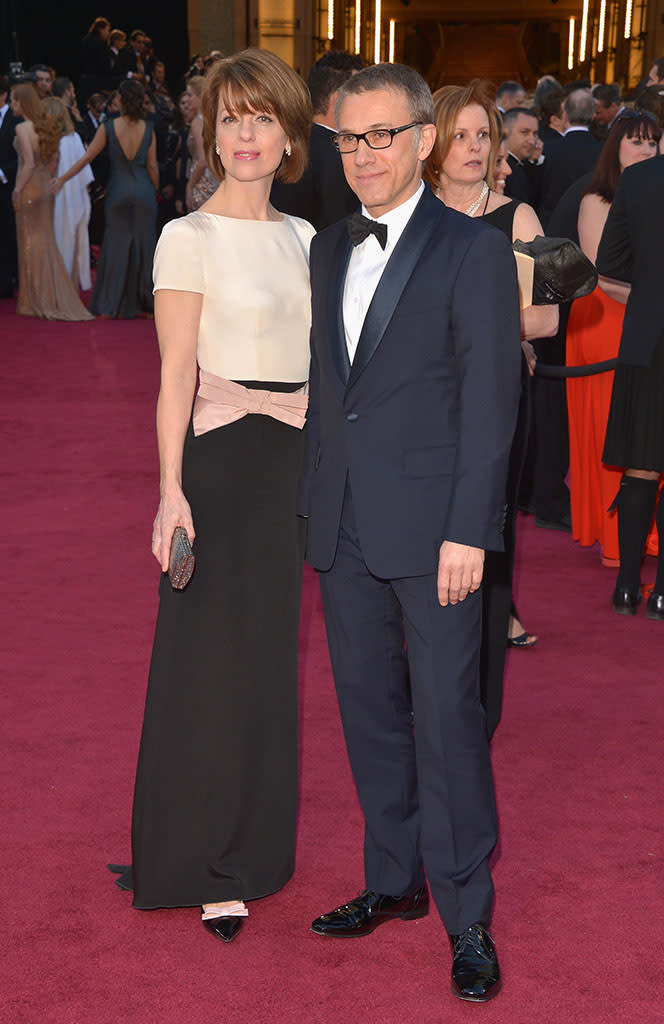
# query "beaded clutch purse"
(182, 561)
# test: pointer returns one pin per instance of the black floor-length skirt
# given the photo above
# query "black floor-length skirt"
(216, 788)
(635, 429)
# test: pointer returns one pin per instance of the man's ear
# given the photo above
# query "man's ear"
(427, 140)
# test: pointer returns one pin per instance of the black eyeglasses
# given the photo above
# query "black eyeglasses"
(378, 138)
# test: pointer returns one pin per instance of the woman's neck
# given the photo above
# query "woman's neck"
(243, 200)
(458, 195)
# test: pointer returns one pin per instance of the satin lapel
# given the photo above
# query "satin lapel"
(398, 270)
(335, 298)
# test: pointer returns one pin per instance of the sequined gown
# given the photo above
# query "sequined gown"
(45, 289)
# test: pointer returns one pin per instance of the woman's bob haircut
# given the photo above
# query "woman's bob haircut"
(256, 81)
(448, 103)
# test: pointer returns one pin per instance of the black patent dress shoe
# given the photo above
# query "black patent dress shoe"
(475, 971)
(363, 914)
(224, 928)
(625, 602)
(655, 607)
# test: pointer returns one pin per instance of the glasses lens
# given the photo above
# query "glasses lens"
(346, 143)
(379, 139)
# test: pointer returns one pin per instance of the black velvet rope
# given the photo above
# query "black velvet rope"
(544, 370)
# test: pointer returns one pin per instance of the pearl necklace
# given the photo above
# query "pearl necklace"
(474, 206)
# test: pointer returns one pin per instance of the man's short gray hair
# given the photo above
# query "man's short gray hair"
(580, 107)
(391, 76)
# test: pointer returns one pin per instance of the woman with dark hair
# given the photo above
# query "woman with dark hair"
(123, 287)
(593, 335)
(216, 786)
(461, 170)
(45, 289)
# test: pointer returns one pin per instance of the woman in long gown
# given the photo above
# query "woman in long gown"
(216, 785)
(123, 286)
(45, 288)
(593, 335)
(71, 214)
(460, 169)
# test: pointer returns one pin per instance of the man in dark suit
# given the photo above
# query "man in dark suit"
(630, 250)
(8, 163)
(131, 59)
(322, 195)
(575, 155)
(413, 398)
(521, 133)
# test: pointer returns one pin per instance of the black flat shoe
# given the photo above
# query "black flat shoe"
(564, 524)
(368, 910)
(625, 602)
(475, 971)
(224, 928)
(655, 607)
(524, 640)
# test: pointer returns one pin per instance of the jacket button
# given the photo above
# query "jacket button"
(351, 416)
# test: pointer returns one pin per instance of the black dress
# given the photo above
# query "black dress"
(635, 429)
(216, 787)
(499, 565)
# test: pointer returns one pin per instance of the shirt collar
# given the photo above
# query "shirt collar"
(577, 128)
(397, 218)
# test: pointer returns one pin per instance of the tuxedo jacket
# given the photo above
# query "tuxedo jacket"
(322, 195)
(524, 183)
(575, 155)
(422, 422)
(631, 250)
(8, 156)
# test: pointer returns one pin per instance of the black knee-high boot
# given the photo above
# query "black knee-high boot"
(655, 609)
(635, 503)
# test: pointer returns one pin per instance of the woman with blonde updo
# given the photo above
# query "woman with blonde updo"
(71, 214)
(44, 286)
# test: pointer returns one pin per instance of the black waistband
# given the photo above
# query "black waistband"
(270, 385)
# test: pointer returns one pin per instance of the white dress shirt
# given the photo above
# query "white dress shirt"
(366, 266)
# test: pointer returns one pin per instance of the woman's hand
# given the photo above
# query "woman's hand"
(531, 356)
(173, 511)
(55, 186)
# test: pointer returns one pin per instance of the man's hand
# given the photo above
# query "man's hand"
(460, 570)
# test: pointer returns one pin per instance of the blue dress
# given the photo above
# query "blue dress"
(123, 286)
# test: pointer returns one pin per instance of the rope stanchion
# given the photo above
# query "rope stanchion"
(544, 370)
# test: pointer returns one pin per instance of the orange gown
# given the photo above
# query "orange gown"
(593, 335)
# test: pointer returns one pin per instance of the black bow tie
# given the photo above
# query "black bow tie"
(360, 227)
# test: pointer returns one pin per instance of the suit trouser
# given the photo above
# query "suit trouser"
(426, 791)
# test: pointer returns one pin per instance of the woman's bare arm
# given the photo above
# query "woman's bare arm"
(536, 321)
(151, 164)
(177, 317)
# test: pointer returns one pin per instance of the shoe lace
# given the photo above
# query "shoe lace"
(476, 938)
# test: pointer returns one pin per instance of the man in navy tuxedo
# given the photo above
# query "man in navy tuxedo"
(413, 397)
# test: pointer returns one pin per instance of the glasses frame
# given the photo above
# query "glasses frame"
(363, 136)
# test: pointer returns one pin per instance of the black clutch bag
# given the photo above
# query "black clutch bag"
(562, 272)
(182, 561)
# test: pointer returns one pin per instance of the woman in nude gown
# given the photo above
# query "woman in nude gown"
(45, 289)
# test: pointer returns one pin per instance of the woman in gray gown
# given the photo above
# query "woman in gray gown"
(123, 287)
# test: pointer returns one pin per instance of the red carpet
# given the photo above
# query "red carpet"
(579, 917)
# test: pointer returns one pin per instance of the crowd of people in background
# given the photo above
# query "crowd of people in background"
(121, 153)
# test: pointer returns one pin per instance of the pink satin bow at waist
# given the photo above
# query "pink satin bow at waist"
(220, 402)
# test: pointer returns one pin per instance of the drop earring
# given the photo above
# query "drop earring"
(217, 151)
(288, 150)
